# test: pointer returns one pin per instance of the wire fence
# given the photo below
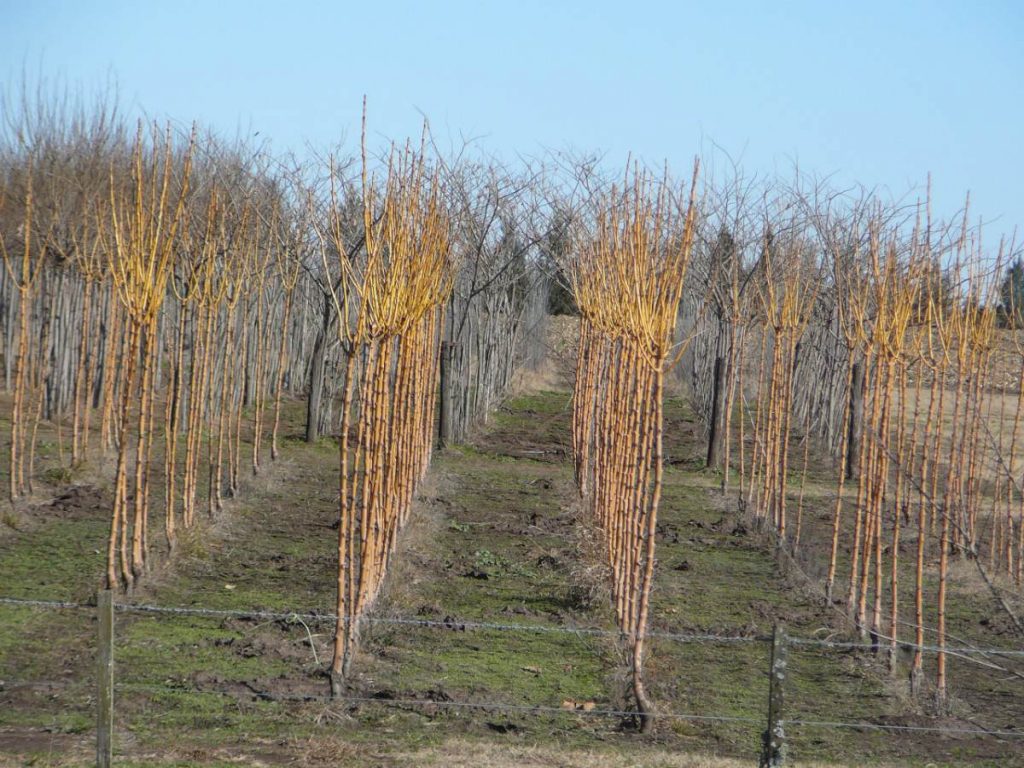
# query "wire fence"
(452, 623)
(347, 700)
(434, 701)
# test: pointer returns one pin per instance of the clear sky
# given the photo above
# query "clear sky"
(878, 92)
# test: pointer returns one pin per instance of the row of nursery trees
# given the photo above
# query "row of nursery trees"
(627, 278)
(165, 294)
(807, 324)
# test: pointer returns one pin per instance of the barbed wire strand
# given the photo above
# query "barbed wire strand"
(542, 709)
(459, 625)
(967, 653)
(384, 700)
(387, 700)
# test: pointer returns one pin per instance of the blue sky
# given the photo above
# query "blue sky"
(877, 92)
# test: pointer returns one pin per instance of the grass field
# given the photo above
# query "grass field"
(495, 539)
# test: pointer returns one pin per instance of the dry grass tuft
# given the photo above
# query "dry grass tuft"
(459, 753)
(589, 575)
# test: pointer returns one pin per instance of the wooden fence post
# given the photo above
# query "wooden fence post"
(855, 421)
(444, 426)
(773, 752)
(715, 427)
(105, 679)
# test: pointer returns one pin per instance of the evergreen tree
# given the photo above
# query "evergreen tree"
(554, 249)
(1011, 295)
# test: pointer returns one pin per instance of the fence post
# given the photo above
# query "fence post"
(773, 752)
(714, 458)
(445, 416)
(105, 680)
(855, 421)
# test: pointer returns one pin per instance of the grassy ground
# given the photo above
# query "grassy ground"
(495, 539)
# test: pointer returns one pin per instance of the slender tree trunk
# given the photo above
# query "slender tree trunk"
(281, 365)
(644, 705)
